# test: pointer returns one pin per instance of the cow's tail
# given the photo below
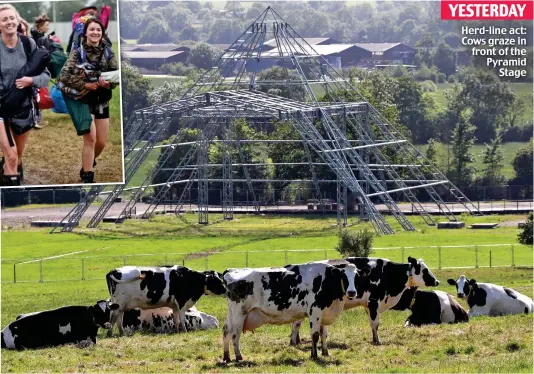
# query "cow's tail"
(460, 314)
(110, 280)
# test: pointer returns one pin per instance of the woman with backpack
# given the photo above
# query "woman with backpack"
(18, 54)
(86, 91)
(38, 32)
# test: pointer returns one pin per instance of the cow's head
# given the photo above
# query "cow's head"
(214, 283)
(421, 274)
(102, 313)
(464, 286)
(350, 278)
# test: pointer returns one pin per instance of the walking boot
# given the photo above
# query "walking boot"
(11, 180)
(20, 171)
(81, 170)
(88, 177)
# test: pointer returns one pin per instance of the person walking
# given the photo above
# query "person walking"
(86, 91)
(18, 55)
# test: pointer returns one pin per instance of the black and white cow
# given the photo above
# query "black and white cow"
(283, 295)
(487, 299)
(161, 320)
(176, 287)
(70, 324)
(382, 289)
(430, 307)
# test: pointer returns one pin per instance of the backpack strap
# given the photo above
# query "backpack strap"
(27, 46)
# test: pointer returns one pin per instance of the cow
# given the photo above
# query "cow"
(176, 287)
(69, 324)
(430, 307)
(161, 320)
(487, 299)
(382, 289)
(282, 295)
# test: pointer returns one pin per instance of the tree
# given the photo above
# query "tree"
(492, 173)
(518, 108)
(525, 236)
(463, 139)
(445, 59)
(136, 89)
(355, 244)
(201, 55)
(523, 165)
(431, 151)
(277, 73)
(189, 33)
(131, 15)
(452, 39)
(180, 19)
(157, 31)
(424, 48)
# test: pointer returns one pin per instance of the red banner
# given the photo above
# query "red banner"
(487, 10)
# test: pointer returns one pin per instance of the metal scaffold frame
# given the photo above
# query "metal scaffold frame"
(368, 156)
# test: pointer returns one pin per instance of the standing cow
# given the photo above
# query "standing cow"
(284, 295)
(487, 299)
(70, 324)
(176, 287)
(382, 289)
(430, 307)
(161, 320)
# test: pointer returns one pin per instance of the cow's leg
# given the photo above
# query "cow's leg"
(324, 335)
(120, 321)
(182, 320)
(176, 316)
(374, 318)
(113, 320)
(238, 320)
(226, 339)
(232, 330)
(295, 333)
(315, 327)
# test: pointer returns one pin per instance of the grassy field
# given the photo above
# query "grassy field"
(53, 154)
(486, 344)
(508, 151)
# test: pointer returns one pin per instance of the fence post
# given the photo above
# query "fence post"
(183, 262)
(513, 256)
(166, 263)
(124, 261)
(476, 256)
(15, 273)
(439, 257)
(83, 268)
(207, 262)
(490, 258)
(285, 257)
(402, 254)
(325, 255)
(246, 259)
(41, 271)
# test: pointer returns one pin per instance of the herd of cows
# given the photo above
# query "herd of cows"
(162, 299)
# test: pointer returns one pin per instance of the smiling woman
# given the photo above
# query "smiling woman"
(22, 66)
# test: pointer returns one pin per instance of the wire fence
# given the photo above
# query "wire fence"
(71, 268)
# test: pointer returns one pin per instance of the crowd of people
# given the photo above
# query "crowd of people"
(83, 78)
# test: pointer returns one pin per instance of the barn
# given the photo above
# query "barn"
(389, 53)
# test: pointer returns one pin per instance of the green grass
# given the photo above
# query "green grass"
(223, 244)
(508, 150)
(499, 344)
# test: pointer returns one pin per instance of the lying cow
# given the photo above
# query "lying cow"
(284, 295)
(486, 299)
(176, 287)
(70, 324)
(382, 289)
(430, 307)
(161, 320)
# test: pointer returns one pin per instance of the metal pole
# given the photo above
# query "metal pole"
(207, 262)
(402, 254)
(490, 258)
(41, 271)
(285, 257)
(476, 256)
(183, 262)
(439, 257)
(83, 269)
(513, 256)
(246, 259)
(325, 255)
(14, 273)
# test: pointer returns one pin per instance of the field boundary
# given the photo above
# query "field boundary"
(86, 264)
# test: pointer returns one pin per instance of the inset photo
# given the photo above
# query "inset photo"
(60, 108)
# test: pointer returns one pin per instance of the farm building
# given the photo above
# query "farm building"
(389, 53)
(151, 61)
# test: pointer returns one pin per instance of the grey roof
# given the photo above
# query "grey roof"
(310, 41)
(377, 47)
(324, 50)
(164, 47)
(152, 55)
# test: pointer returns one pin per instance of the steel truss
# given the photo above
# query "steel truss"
(368, 155)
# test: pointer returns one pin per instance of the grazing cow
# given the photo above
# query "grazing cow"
(70, 324)
(151, 287)
(382, 289)
(283, 295)
(486, 299)
(430, 307)
(161, 320)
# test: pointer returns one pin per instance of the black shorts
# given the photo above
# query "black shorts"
(96, 112)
